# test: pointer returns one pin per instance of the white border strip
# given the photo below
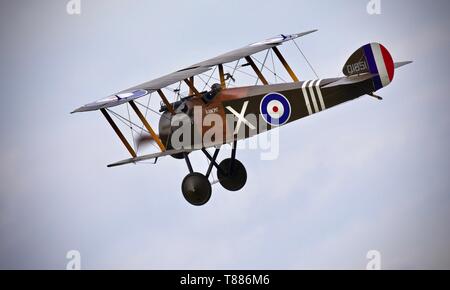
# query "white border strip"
(379, 60)
(305, 95)
(319, 93)
(313, 96)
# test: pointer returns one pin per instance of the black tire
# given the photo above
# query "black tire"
(196, 189)
(234, 180)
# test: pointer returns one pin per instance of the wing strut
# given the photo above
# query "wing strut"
(256, 69)
(166, 102)
(285, 64)
(147, 125)
(192, 89)
(117, 130)
(222, 77)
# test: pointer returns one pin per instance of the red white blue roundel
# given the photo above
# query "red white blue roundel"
(275, 109)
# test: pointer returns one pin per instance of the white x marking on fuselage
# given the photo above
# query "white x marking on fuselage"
(241, 118)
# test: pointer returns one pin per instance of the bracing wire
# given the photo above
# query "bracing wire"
(146, 112)
(273, 66)
(177, 93)
(232, 74)
(131, 128)
(206, 83)
(209, 79)
(269, 70)
(265, 59)
(125, 121)
(263, 65)
(212, 78)
(242, 72)
(312, 68)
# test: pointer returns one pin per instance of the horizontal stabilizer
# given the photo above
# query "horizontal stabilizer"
(149, 157)
(350, 80)
(400, 64)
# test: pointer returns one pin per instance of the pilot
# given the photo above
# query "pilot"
(209, 96)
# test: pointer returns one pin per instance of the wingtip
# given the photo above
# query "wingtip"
(120, 163)
(113, 165)
(308, 32)
(79, 110)
(85, 108)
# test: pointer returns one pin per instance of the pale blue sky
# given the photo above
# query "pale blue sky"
(366, 175)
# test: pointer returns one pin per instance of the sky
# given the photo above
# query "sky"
(367, 175)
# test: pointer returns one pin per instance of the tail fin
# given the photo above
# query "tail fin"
(375, 59)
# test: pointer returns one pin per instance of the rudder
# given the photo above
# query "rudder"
(375, 59)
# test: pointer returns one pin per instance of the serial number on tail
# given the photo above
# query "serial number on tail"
(356, 68)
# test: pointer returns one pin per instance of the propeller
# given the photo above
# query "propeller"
(145, 140)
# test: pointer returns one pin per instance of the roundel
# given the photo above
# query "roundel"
(275, 109)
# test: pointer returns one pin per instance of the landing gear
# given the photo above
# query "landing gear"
(196, 189)
(231, 173)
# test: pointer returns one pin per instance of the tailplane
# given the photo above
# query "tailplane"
(400, 64)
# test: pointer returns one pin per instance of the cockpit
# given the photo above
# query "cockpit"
(211, 95)
(207, 97)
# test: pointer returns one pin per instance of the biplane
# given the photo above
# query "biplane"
(182, 128)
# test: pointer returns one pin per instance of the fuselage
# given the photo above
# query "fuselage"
(256, 109)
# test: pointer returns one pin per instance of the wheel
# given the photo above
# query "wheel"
(196, 189)
(238, 177)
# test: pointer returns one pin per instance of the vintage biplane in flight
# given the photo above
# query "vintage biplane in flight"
(368, 70)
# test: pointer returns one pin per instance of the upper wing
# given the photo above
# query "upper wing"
(141, 90)
(250, 49)
(151, 86)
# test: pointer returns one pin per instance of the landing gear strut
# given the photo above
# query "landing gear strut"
(231, 173)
